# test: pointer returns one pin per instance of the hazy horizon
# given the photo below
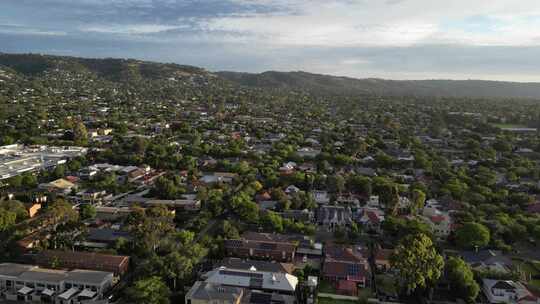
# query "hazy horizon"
(392, 39)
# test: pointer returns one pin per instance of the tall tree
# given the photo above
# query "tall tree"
(462, 279)
(417, 261)
(418, 200)
(472, 235)
(80, 134)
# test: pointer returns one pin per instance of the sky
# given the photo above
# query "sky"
(393, 39)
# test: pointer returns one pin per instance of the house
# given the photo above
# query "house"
(254, 279)
(92, 195)
(477, 258)
(345, 264)
(30, 283)
(187, 203)
(116, 264)
(104, 237)
(208, 293)
(287, 168)
(334, 217)
(247, 264)
(305, 215)
(292, 189)
(60, 185)
(308, 152)
(321, 197)
(262, 246)
(499, 291)
(371, 219)
(219, 177)
(440, 221)
(348, 199)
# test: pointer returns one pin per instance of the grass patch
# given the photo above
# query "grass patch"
(334, 301)
(504, 125)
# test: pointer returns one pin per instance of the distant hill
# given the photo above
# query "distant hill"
(120, 70)
(333, 85)
(136, 72)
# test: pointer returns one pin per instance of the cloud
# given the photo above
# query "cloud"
(360, 38)
(14, 29)
(131, 29)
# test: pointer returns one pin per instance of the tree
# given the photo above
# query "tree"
(390, 198)
(149, 291)
(462, 279)
(418, 263)
(272, 221)
(244, 207)
(80, 134)
(360, 184)
(87, 211)
(419, 198)
(336, 183)
(29, 180)
(472, 235)
(7, 220)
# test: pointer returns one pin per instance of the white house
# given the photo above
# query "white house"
(498, 291)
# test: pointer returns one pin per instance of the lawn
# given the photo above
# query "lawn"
(503, 125)
(333, 301)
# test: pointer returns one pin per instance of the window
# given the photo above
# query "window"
(8, 283)
(68, 285)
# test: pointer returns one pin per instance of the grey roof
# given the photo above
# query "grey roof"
(253, 279)
(43, 275)
(31, 273)
(106, 235)
(236, 263)
(88, 276)
(485, 256)
(207, 291)
(13, 270)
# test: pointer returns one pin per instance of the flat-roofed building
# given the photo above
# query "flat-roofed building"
(30, 283)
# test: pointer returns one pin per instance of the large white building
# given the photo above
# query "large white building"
(18, 159)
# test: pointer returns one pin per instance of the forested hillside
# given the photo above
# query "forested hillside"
(332, 85)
